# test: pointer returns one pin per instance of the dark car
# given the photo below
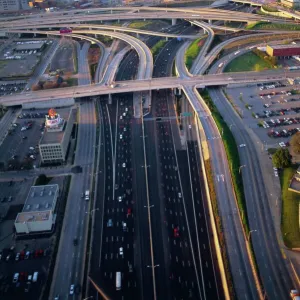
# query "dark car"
(75, 242)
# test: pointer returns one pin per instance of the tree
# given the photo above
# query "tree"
(41, 180)
(281, 158)
(295, 143)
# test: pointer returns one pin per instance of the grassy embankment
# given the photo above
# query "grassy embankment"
(139, 24)
(290, 210)
(247, 62)
(192, 52)
(273, 26)
(157, 47)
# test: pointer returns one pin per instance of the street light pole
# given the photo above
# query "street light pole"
(241, 168)
(92, 211)
(249, 235)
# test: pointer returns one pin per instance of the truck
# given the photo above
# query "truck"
(87, 195)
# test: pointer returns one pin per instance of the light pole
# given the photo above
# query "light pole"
(241, 168)
(231, 126)
(153, 266)
(90, 297)
(249, 235)
(91, 212)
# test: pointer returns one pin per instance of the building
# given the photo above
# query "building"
(29, 46)
(38, 212)
(13, 5)
(291, 3)
(283, 50)
(54, 143)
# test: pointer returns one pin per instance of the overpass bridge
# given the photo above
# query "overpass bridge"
(147, 85)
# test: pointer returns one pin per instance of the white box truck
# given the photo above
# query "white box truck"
(87, 195)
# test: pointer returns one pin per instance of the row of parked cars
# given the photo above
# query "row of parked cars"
(32, 115)
(280, 122)
(23, 255)
(11, 88)
(278, 112)
(283, 133)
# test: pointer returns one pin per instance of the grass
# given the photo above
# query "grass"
(232, 156)
(218, 221)
(157, 47)
(139, 24)
(273, 26)
(247, 62)
(192, 52)
(72, 81)
(290, 210)
(75, 60)
(269, 8)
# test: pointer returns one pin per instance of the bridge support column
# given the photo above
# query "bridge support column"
(209, 21)
(205, 31)
(34, 34)
(137, 35)
(19, 35)
(118, 20)
(167, 38)
(96, 36)
(174, 21)
(109, 99)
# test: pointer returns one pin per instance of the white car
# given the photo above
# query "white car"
(121, 136)
(121, 251)
(190, 126)
(17, 256)
(121, 117)
(120, 198)
(72, 289)
(124, 114)
(179, 195)
(124, 165)
(16, 277)
(282, 144)
(242, 145)
(23, 128)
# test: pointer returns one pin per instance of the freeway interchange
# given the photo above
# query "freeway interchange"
(150, 220)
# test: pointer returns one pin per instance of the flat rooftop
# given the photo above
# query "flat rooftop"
(290, 46)
(55, 137)
(28, 46)
(40, 198)
(33, 216)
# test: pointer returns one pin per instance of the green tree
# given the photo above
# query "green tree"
(281, 158)
(41, 180)
(295, 143)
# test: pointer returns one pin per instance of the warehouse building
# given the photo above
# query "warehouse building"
(283, 51)
(39, 46)
(291, 3)
(38, 212)
(13, 5)
(54, 143)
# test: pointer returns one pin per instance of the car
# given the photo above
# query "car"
(128, 211)
(8, 257)
(176, 232)
(27, 255)
(120, 198)
(190, 126)
(125, 129)
(242, 145)
(121, 251)
(56, 297)
(72, 289)
(24, 137)
(27, 287)
(75, 242)
(109, 223)
(16, 278)
(124, 165)
(121, 136)
(179, 195)
(17, 256)
(23, 128)
(124, 114)
(9, 199)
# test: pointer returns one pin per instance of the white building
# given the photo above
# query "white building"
(13, 5)
(55, 141)
(38, 211)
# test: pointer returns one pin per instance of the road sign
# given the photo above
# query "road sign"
(187, 114)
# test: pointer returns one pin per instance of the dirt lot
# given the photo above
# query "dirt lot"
(64, 57)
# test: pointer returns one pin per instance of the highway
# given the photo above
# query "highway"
(149, 84)
(243, 278)
(70, 259)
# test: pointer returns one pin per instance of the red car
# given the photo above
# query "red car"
(128, 211)
(65, 30)
(176, 232)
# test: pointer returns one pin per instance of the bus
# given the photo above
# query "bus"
(118, 281)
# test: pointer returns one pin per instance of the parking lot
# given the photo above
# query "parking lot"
(21, 63)
(270, 110)
(21, 257)
(9, 88)
(20, 150)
